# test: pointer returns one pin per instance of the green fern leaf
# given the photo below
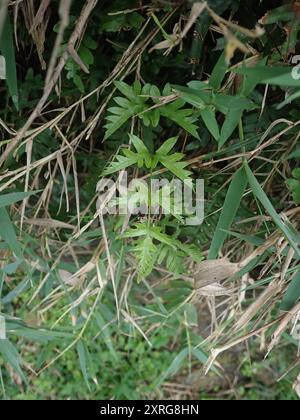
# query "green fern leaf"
(182, 117)
(173, 164)
(146, 253)
(139, 230)
(171, 258)
(126, 90)
(167, 146)
(128, 107)
(122, 162)
(116, 122)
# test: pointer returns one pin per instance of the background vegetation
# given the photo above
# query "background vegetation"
(102, 306)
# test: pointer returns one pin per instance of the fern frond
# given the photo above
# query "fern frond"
(182, 117)
(173, 164)
(116, 122)
(136, 103)
(126, 109)
(146, 253)
(172, 259)
(122, 162)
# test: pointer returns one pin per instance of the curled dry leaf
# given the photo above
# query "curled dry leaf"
(175, 39)
(66, 277)
(215, 290)
(214, 271)
(167, 43)
(74, 279)
(49, 223)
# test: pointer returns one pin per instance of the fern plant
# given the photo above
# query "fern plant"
(146, 253)
(143, 158)
(174, 258)
(149, 104)
(152, 245)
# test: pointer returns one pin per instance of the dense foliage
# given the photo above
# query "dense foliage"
(98, 305)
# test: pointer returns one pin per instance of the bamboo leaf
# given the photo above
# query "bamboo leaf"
(81, 350)
(230, 208)
(267, 75)
(8, 199)
(209, 118)
(262, 197)
(231, 122)
(292, 294)
(8, 51)
(12, 357)
(8, 234)
(175, 366)
(219, 72)
(203, 358)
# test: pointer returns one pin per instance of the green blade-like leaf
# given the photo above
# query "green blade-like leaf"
(8, 234)
(193, 96)
(116, 122)
(176, 167)
(262, 197)
(267, 75)
(200, 98)
(162, 237)
(167, 146)
(140, 147)
(126, 90)
(20, 288)
(289, 99)
(12, 357)
(233, 102)
(20, 329)
(180, 117)
(208, 116)
(230, 208)
(231, 122)
(122, 163)
(7, 49)
(175, 366)
(203, 358)
(250, 81)
(292, 294)
(8, 199)
(138, 231)
(219, 72)
(282, 13)
(81, 350)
